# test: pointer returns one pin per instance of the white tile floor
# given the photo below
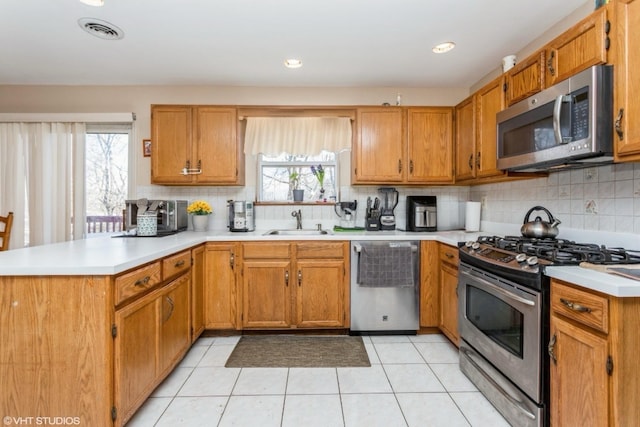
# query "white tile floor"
(412, 381)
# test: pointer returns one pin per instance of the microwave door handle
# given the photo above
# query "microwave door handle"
(557, 107)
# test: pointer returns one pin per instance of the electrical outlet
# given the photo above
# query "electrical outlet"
(483, 202)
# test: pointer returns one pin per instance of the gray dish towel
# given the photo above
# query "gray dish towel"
(385, 265)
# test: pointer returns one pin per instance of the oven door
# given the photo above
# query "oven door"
(501, 320)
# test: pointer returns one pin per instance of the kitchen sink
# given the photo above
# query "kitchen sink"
(294, 232)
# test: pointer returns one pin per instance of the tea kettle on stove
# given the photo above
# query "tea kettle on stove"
(538, 228)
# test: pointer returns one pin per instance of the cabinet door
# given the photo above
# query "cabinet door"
(220, 286)
(197, 292)
(266, 296)
(627, 96)
(489, 101)
(175, 322)
(449, 301)
(430, 145)
(136, 346)
(579, 381)
(171, 137)
(320, 289)
(216, 150)
(525, 79)
(429, 284)
(577, 49)
(378, 155)
(465, 139)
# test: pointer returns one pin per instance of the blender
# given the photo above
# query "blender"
(389, 203)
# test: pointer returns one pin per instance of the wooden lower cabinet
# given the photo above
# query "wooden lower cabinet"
(152, 335)
(320, 299)
(197, 291)
(594, 358)
(220, 293)
(449, 302)
(294, 285)
(429, 284)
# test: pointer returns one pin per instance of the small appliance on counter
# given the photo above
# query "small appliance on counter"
(347, 214)
(421, 213)
(241, 215)
(171, 215)
(389, 203)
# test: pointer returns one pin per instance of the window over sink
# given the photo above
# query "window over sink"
(279, 175)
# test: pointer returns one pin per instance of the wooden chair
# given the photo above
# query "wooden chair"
(5, 234)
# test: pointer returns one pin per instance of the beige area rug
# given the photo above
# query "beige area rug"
(295, 351)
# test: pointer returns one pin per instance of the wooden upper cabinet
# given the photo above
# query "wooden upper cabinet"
(430, 145)
(171, 147)
(202, 139)
(217, 151)
(627, 85)
(489, 101)
(578, 48)
(378, 154)
(525, 79)
(465, 139)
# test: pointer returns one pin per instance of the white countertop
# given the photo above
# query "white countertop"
(610, 284)
(108, 256)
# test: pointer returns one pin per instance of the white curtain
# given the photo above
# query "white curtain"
(296, 135)
(44, 162)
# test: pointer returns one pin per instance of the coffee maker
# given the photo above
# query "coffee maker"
(389, 202)
(240, 215)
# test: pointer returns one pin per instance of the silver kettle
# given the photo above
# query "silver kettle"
(539, 228)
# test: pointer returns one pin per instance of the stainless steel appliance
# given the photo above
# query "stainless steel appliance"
(172, 214)
(504, 302)
(385, 285)
(566, 125)
(389, 197)
(422, 213)
(241, 215)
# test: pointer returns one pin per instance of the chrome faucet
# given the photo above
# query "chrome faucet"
(298, 216)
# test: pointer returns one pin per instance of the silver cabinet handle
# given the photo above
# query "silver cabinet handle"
(143, 281)
(551, 348)
(232, 260)
(299, 277)
(286, 278)
(575, 306)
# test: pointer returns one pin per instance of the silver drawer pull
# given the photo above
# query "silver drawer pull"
(143, 281)
(575, 307)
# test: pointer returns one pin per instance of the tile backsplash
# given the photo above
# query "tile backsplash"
(599, 199)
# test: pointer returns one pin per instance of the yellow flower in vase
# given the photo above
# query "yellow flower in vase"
(200, 207)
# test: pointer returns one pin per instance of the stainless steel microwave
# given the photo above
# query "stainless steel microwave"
(566, 125)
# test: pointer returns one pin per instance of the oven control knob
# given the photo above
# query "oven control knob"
(521, 258)
(532, 260)
(469, 243)
(475, 246)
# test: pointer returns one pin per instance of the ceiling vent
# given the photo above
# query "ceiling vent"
(101, 29)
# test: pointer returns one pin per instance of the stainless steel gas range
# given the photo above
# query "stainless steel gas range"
(504, 317)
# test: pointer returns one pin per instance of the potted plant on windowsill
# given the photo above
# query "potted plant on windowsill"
(200, 211)
(298, 194)
(318, 172)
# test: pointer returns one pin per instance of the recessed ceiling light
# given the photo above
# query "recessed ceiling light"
(443, 47)
(96, 3)
(293, 63)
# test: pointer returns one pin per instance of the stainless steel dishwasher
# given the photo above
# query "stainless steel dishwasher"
(385, 287)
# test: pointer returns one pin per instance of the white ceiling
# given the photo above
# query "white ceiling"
(373, 43)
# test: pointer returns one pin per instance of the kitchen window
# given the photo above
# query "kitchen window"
(297, 153)
(277, 172)
(106, 176)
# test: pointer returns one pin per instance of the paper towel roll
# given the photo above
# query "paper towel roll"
(472, 216)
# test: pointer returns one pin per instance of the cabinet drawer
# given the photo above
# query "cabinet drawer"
(449, 254)
(582, 306)
(176, 264)
(137, 281)
(316, 250)
(266, 250)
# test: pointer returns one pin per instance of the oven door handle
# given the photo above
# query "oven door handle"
(514, 401)
(501, 291)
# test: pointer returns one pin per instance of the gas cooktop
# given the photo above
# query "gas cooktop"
(559, 251)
